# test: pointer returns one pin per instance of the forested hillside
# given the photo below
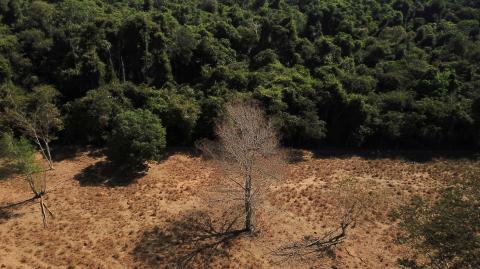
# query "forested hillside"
(395, 73)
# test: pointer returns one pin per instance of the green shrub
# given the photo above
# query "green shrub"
(137, 136)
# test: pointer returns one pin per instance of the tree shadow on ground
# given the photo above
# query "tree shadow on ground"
(420, 156)
(7, 214)
(6, 171)
(194, 240)
(108, 174)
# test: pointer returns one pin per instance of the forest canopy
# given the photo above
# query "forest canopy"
(396, 73)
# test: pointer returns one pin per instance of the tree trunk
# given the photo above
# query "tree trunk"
(49, 155)
(112, 66)
(123, 69)
(42, 149)
(145, 60)
(248, 203)
(74, 53)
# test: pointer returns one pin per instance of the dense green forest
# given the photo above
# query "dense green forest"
(389, 73)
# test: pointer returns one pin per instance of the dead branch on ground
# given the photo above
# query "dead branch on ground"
(317, 246)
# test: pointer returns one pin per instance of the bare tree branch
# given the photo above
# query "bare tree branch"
(247, 153)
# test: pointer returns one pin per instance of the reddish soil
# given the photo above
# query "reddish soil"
(102, 224)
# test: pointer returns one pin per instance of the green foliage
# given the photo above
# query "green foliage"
(33, 113)
(137, 136)
(5, 70)
(327, 71)
(18, 153)
(179, 111)
(45, 113)
(445, 234)
(476, 117)
(89, 119)
(290, 98)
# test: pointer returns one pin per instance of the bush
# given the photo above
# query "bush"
(445, 234)
(136, 137)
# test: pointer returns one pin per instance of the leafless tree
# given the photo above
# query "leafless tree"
(248, 154)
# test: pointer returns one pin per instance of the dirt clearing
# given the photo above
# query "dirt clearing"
(100, 223)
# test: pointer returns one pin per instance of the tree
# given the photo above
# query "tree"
(354, 199)
(248, 152)
(37, 116)
(21, 155)
(89, 119)
(137, 136)
(179, 111)
(281, 52)
(444, 234)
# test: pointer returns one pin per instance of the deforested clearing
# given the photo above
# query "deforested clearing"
(101, 222)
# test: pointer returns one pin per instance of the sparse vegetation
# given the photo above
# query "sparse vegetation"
(159, 219)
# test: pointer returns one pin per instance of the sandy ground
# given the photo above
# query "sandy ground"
(102, 224)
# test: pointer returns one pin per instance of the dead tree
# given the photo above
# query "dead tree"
(248, 153)
(39, 120)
